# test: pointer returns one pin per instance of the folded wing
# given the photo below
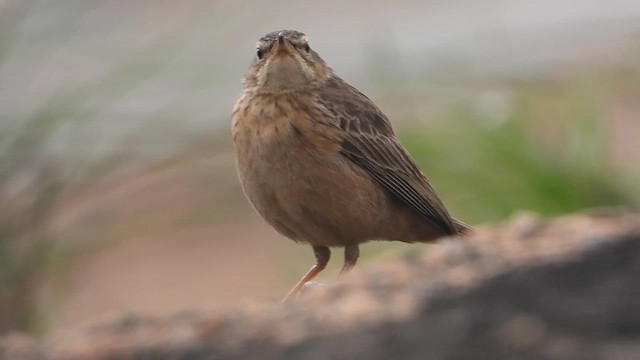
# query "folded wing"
(369, 142)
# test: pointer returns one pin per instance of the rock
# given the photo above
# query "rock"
(568, 288)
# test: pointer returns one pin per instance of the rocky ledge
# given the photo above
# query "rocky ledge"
(567, 288)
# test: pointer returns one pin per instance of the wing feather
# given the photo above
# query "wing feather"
(369, 142)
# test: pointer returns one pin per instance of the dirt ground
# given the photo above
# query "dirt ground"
(160, 242)
(182, 270)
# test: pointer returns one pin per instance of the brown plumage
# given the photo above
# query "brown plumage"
(320, 162)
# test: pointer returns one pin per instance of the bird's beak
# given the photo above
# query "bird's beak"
(282, 46)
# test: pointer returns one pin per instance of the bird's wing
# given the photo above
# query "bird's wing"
(368, 141)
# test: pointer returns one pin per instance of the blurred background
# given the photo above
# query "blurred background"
(118, 191)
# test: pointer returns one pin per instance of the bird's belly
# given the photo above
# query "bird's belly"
(310, 196)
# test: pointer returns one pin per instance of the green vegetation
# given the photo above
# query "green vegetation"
(548, 155)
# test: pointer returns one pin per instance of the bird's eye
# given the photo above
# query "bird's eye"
(306, 47)
(259, 53)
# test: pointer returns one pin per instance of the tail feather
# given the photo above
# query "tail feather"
(462, 228)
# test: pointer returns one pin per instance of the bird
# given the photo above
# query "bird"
(320, 162)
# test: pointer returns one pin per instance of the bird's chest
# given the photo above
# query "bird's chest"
(267, 138)
(271, 158)
(281, 147)
(291, 170)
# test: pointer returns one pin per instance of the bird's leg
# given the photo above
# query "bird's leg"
(323, 254)
(351, 254)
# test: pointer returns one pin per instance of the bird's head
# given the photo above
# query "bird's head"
(284, 62)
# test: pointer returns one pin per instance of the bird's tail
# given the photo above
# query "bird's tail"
(462, 228)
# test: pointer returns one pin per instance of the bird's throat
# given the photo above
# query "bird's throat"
(284, 73)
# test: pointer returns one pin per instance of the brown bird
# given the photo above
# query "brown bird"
(320, 162)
